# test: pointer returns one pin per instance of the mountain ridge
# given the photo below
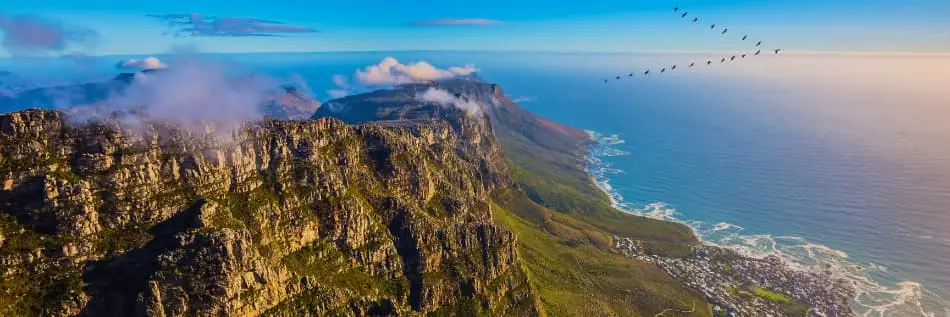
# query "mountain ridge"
(430, 211)
(281, 101)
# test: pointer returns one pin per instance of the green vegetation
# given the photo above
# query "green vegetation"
(332, 268)
(575, 277)
(112, 241)
(565, 265)
(790, 306)
(29, 291)
(772, 296)
(553, 175)
(564, 225)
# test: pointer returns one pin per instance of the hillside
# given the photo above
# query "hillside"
(291, 217)
(393, 207)
(563, 222)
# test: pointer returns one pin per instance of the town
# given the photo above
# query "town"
(743, 286)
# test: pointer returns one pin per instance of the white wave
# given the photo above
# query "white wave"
(877, 267)
(874, 299)
(727, 226)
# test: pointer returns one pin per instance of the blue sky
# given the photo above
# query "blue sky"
(528, 25)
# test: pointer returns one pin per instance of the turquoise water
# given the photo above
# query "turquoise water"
(837, 161)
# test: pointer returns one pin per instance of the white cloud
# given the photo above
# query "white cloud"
(343, 87)
(150, 62)
(194, 92)
(390, 71)
(447, 99)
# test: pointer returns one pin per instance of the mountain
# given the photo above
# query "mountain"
(402, 103)
(291, 103)
(380, 205)
(285, 102)
(11, 84)
(66, 96)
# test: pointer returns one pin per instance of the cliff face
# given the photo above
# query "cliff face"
(282, 218)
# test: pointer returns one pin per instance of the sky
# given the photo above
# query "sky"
(130, 27)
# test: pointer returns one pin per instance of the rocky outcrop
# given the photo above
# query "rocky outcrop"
(278, 218)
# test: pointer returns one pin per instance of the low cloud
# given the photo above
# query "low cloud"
(198, 95)
(197, 25)
(147, 63)
(447, 99)
(29, 35)
(390, 71)
(450, 22)
(524, 99)
(343, 87)
(194, 93)
(300, 84)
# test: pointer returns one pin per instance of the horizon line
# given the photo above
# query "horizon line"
(677, 52)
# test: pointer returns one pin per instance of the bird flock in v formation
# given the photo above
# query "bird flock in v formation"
(684, 15)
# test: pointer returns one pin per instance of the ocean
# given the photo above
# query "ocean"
(835, 161)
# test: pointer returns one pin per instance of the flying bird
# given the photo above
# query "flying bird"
(684, 14)
(631, 75)
(605, 81)
(695, 20)
(723, 60)
(745, 37)
(674, 67)
(708, 62)
(725, 30)
(692, 64)
(676, 9)
(712, 26)
(663, 70)
(758, 52)
(757, 44)
(743, 55)
(778, 50)
(618, 77)
(733, 58)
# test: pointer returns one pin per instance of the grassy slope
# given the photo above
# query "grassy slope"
(563, 221)
(575, 275)
(564, 225)
(557, 179)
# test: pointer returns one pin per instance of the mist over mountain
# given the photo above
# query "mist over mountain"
(441, 196)
(194, 91)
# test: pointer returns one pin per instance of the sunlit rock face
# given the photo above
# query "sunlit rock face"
(275, 217)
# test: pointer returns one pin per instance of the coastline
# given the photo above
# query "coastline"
(867, 297)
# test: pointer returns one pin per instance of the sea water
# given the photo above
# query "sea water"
(851, 174)
(839, 161)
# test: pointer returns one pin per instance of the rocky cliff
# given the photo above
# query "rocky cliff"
(383, 203)
(279, 218)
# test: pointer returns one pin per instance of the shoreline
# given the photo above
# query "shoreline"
(710, 269)
(868, 296)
